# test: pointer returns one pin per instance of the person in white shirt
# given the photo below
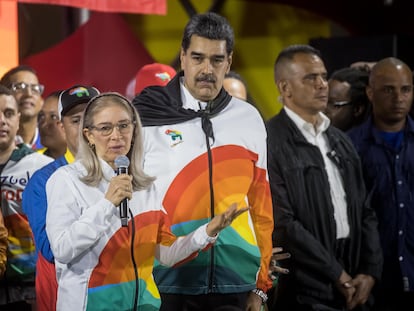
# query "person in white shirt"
(321, 208)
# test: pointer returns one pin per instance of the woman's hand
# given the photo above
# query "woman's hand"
(219, 222)
(119, 188)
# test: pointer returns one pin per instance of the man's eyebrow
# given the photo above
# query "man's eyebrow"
(202, 54)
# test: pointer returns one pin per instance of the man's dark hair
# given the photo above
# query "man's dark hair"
(211, 26)
(292, 50)
(288, 53)
(358, 80)
(6, 78)
(55, 94)
(5, 90)
(235, 75)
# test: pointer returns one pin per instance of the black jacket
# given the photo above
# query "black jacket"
(304, 214)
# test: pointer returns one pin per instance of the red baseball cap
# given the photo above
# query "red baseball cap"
(153, 74)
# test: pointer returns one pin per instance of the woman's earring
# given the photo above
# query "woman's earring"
(92, 146)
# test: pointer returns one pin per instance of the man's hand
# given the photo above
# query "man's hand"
(363, 285)
(274, 267)
(346, 288)
(254, 302)
(219, 222)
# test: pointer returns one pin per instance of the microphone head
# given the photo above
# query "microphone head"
(121, 161)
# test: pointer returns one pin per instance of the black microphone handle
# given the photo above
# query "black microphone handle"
(123, 212)
(123, 206)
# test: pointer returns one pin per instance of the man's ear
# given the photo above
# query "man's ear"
(369, 92)
(182, 59)
(358, 109)
(18, 118)
(284, 88)
(230, 61)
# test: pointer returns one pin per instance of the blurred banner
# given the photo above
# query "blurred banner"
(107, 61)
(8, 36)
(158, 7)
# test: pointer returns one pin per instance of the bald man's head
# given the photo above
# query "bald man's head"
(390, 91)
(383, 68)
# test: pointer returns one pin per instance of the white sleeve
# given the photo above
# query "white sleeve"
(71, 228)
(184, 246)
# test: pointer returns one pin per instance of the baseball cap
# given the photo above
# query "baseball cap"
(153, 74)
(75, 95)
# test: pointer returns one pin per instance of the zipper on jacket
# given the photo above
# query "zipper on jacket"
(134, 264)
(208, 134)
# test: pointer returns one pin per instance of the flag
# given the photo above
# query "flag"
(158, 7)
(9, 55)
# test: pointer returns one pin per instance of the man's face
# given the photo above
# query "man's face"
(391, 94)
(235, 88)
(9, 122)
(205, 64)
(340, 109)
(307, 85)
(51, 131)
(28, 99)
(71, 123)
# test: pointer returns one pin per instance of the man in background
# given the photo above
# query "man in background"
(27, 90)
(52, 135)
(322, 215)
(385, 143)
(348, 104)
(234, 84)
(17, 165)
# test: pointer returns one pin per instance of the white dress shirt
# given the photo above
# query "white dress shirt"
(317, 137)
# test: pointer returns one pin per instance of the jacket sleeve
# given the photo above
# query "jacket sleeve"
(172, 250)
(73, 229)
(3, 246)
(305, 248)
(261, 211)
(371, 252)
(34, 205)
(371, 258)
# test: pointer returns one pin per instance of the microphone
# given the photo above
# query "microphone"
(334, 157)
(121, 164)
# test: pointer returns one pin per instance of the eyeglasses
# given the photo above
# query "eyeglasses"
(339, 104)
(107, 129)
(21, 87)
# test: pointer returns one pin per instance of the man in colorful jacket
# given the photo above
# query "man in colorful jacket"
(207, 150)
(17, 165)
(3, 246)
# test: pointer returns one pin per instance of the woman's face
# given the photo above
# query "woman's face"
(111, 132)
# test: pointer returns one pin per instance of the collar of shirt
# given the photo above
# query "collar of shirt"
(305, 127)
(189, 102)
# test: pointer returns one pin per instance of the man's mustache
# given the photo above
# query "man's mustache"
(206, 78)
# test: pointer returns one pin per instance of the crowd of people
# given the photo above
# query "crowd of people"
(178, 195)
